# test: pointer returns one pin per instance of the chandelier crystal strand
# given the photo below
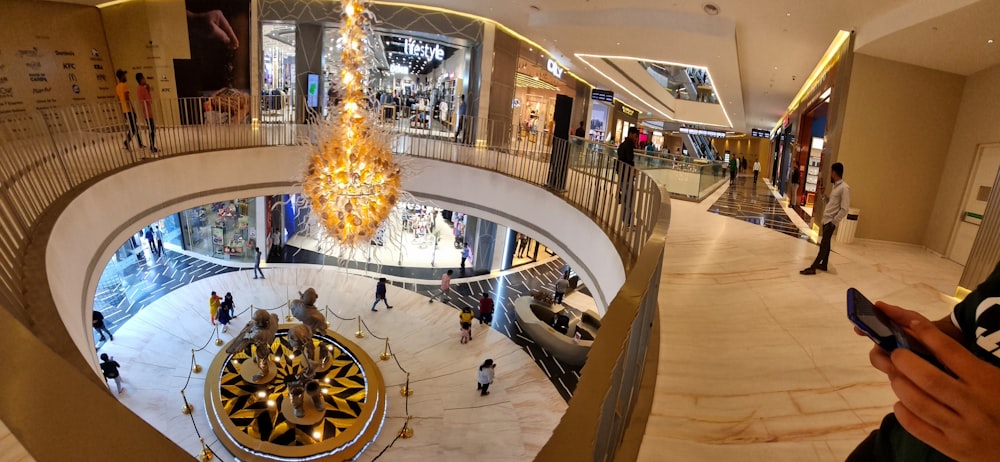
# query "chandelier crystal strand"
(352, 182)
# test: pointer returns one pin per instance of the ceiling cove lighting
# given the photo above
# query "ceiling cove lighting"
(838, 42)
(583, 57)
(527, 81)
(352, 181)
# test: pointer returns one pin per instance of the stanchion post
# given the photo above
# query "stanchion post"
(206, 454)
(385, 356)
(326, 312)
(407, 431)
(359, 333)
(194, 359)
(289, 317)
(218, 341)
(406, 390)
(188, 408)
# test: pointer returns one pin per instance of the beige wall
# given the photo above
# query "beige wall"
(751, 148)
(897, 130)
(978, 122)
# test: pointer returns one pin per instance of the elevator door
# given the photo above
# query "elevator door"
(977, 193)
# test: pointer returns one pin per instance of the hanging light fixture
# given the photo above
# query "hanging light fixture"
(352, 181)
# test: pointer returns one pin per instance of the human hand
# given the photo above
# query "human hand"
(960, 415)
(213, 24)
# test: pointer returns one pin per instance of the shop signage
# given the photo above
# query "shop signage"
(554, 68)
(399, 69)
(423, 50)
(709, 133)
(760, 133)
(627, 110)
(606, 96)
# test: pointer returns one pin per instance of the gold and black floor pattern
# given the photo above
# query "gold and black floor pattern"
(255, 418)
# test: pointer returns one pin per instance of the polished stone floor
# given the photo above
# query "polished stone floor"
(754, 204)
(759, 363)
(451, 421)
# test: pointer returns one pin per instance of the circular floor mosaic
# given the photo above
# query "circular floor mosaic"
(255, 421)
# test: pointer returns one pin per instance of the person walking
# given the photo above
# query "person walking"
(109, 367)
(226, 311)
(465, 318)
(256, 263)
(380, 295)
(626, 173)
(152, 242)
(466, 255)
(213, 305)
(98, 322)
(580, 132)
(733, 166)
(124, 100)
(522, 245)
(144, 93)
(562, 285)
(485, 309)
(837, 206)
(445, 291)
(796, 176)
(486, 373)
(756, 170)
(158, 237)
(459, 132)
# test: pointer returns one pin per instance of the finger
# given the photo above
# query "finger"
(880, 359)
(901, 316)
(944, 348)
(928, 407)
(859, 332)
(933, 436)
(223, 23)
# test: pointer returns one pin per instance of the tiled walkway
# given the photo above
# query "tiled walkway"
(152, 278)
(756, 205)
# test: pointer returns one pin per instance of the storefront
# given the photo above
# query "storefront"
(226, 230)
(623, 118)
(538, 80)
(603, 103)
(417, 79)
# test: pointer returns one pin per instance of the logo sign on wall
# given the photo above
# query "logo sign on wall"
(554, 68)
(423, 50)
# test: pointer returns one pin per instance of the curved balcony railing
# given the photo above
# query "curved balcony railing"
(45, 155)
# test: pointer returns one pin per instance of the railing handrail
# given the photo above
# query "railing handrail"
(45, 154)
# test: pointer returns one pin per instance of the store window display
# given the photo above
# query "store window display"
(223, 230)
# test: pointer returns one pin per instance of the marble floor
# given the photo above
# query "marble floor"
(754, 204)
(450, 420)
(759, 363)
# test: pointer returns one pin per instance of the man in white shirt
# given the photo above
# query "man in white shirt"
(836, 209)
(756, 170)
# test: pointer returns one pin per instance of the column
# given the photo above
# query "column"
(308, 60)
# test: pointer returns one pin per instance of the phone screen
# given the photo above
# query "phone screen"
(886, 333)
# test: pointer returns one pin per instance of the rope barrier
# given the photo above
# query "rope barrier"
(370, 331)
(329, 311)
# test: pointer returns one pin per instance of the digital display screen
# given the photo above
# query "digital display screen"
(312, 90)
(606, 96)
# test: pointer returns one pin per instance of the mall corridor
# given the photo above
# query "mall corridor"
(759, 363)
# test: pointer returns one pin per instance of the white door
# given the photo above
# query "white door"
(981, 180)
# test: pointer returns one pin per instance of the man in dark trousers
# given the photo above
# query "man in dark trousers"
(256, 263)
(626, 173)
(380, 295)
(99, 326)
(460, 136)
(580, 132)
(836, 209)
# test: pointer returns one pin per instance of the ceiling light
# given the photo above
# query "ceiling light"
(990, 41)
(788, 14)
(711, 9)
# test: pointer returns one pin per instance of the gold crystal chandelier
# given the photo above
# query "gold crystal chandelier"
(352, 181)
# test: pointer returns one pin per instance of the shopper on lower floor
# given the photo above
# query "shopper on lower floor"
(256, 263)
(380, 295)
(99, 326)
(562, 286)
(109, 367)
(756, 171)
(158, 237)
(466, 255)
(445, 292)
(486, 373)
(213, 306)
(148, 234)
(485, 309)
(837, 206)
(465, 318)
(226, 311)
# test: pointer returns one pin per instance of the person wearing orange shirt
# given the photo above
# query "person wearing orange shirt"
(126, 104)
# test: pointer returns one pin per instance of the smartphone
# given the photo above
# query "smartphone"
(882, 330)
